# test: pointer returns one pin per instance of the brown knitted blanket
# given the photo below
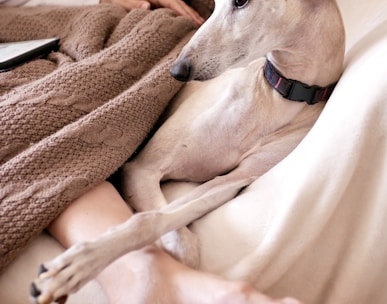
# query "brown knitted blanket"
(69, 121)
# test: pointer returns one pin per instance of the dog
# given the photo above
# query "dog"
(259, 73)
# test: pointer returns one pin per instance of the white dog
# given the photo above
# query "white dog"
(224, 132)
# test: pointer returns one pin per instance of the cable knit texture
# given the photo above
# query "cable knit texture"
(69, 121)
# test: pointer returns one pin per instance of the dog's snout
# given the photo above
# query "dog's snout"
(181, 70)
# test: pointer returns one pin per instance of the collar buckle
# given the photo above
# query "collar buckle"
(301, 92)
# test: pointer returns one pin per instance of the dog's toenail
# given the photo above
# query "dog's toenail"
(42, 269)
(34, 291)
(61, 300)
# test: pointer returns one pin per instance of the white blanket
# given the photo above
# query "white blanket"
(315, 226)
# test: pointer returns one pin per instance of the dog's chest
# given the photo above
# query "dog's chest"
(216, 131)
(224, 112)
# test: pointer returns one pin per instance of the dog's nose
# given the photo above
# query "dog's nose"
(181, 70)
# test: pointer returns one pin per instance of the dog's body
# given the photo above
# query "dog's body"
(218, 134)
(223, 133)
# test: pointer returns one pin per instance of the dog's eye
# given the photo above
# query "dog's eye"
(240, 3)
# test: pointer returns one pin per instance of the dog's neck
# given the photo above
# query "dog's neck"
(301, 67)
(310, 60)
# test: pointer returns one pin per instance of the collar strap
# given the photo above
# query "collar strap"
(296, 90)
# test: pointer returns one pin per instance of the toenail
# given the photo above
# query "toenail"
(61, 300)
(34, 291)
(42, 269)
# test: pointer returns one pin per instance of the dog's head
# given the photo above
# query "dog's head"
(240, 31)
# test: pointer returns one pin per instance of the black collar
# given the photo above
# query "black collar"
(296, 90)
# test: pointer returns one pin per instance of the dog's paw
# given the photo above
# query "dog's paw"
(183, 245)
(37, 297)
(64, 275)
(36, 294)
(43, 291)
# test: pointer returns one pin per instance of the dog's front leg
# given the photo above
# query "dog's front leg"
(141, 190)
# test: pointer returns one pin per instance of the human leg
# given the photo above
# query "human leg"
(148, 275)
